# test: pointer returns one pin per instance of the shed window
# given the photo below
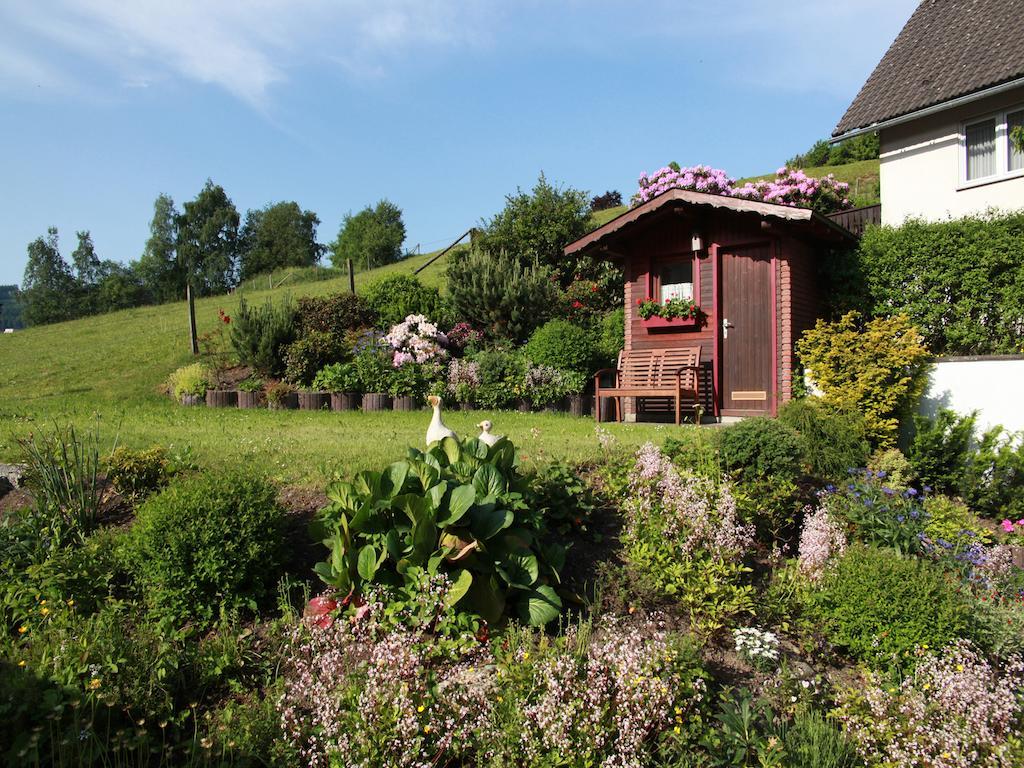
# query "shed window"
(1014, 120)
(675, 280)
(981, 149)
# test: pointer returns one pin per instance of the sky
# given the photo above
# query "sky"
(442, 106)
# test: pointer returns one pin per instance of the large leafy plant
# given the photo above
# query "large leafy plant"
(462, 509)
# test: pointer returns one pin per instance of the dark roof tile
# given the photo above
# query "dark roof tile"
(948, 48)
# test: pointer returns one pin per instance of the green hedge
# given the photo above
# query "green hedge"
(960, 281)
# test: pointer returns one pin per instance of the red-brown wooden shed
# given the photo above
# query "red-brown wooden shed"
(752, 267)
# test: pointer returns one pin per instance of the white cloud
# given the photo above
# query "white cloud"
(244, 47)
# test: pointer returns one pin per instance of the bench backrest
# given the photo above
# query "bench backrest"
(653, 368)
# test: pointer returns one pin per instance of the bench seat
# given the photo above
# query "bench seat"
(666, 373)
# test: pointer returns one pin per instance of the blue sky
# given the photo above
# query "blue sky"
(442, 107)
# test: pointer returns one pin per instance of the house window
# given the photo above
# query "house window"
(989, 153)
(1015, 155)
(675, 280)
(981, 149)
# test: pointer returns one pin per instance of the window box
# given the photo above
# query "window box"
(660, 324)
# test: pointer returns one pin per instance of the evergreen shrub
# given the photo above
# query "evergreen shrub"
(305, 358)
(336, 313)
(394, 298)
(882, 607)
(207, 544)
(761, 447)
(563, 345)
(260, 334)
(833, 441)
(878, 368)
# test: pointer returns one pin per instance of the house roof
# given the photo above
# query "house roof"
(948, 49)
(677, 198)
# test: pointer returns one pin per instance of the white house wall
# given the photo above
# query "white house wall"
(992, 387)
(921, 167)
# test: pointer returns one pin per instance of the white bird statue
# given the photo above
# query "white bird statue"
(437, 430)
(485, 433)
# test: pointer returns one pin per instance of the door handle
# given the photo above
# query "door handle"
(726, 325)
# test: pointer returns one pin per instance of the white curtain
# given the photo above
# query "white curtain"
(981, 149)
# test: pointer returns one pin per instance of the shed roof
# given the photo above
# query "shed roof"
(947, 49)
(677, 198)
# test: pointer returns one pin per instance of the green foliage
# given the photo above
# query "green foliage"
(813, 741)
(47, 283)
(564, 497)
(500, 294)
(279, 235)
(62, 470)
(879, 513)
(159, 269)
(136, 474)
(761, 447)
(957, 280)
(891, 464)
(940, 449)
(501, 378)
(334, 313)
(208, 240)
(337, 377)
(993, 481)
(745, 736)
(863, 147)
(395, 297)
(374, 370)
(191, 379)
(833, 441)
(207, 544)
(371, 238)
(260, 335)
(948, 518)
(306, 357)
(881, 607)
(563, 345)
(612, 336)
(459, 509)
(878, 368)
(10, 308)
(534, 228)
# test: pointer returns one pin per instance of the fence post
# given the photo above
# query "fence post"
(192, 318)
(351, 276)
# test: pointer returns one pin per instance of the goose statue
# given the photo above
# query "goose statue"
(485, 433)
(437, 430)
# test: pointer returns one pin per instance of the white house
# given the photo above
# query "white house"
(944, 100)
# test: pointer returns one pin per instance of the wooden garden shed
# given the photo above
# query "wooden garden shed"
(753, 268)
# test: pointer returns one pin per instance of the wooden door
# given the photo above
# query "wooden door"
(745, 328)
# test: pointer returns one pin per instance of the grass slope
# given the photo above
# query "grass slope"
(862, 177)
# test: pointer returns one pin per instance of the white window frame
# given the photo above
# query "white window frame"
(1002, 149)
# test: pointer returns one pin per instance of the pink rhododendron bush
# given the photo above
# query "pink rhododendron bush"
(416, 340)
(789, 187)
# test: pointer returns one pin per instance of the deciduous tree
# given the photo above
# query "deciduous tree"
(371, 238)
(207, 243)
(280, 235)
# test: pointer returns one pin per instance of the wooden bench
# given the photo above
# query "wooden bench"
(669, 373)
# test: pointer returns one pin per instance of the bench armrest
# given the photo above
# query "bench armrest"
(616, 371)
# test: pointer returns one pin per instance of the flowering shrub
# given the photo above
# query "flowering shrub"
(416, 340)
(463, 380)
(821, 540)
(684, 538)
(373, 691)
(1014, 531)
(464, 338)
(789, 187)
(955, 711)
(699, 178)
(670, 309)
(879, 513)
(543, 385)
(796, 188)
(758, 647)
(601, 700)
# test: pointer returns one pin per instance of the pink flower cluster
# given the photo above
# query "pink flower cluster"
(463, 377)
(790, 187)
(956, 711)
(700, 178)
(821, 540)
(601, 699)
(796, 188)
(357, 694)
(415, 340)
(697, 514)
